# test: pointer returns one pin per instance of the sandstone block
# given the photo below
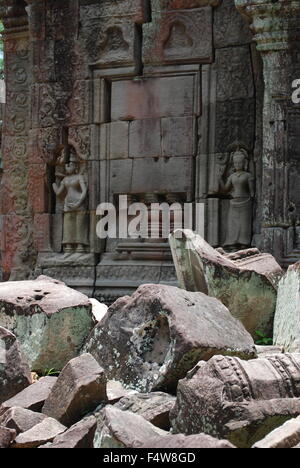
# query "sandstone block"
(79, 389)
(246, 281)
(50, 320)
(287, 315)
(179, 441)
(6, 437)
(154, 407)
(80, 435)
(32, 397)
(14, 369)
(285, 436)
(21, 419)
(40, 434)
(123, 429)
(241, 401)
(150, 340)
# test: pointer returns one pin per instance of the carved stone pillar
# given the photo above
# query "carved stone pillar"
(16, 239)
(275, 25)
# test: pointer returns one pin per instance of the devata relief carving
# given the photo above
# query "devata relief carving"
(73, 189)
(241, 187)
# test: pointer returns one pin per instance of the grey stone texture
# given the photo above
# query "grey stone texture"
(179, 441)
(241, 401)
(21, 419)
(245, 281)
(40, 434)
(14, 369)
(50, 320)
(285, 436)
(155, 407)
(80, 435)
(31, 398)
(287, 316)
(150, 340)
(79, 389)
(123, 429)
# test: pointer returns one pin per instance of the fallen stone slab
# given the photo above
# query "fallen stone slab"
(285, 436)
(287, 316)
(150, 340)
(50, 320)
(246, 282)
(179, 441)
(7, 436)
(20, 419)
(14, 370)
(241, 401)
(80, 435)
(123, 429)
(154, 407)
(33, 397)
(40, 434)
(79, 389)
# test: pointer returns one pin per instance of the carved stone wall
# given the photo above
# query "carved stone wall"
(153, 96)
(276, 32)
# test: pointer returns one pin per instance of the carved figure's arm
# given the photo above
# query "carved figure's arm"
(58, 190)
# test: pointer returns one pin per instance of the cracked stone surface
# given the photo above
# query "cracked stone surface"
(152, 339)
(50, 320)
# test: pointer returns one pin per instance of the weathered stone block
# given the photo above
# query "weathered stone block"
(42, 232)
(172, 175)
(241, 401)
(21, 419)
(50, 320)
(154, 407)
(123, 429)
(246, 282)
(14, 369)
(179, 441)
(178, 136)
(120, 175)
(6, 437)
(230, 28)
(285, 436)
(31, 398)
(234, 74)
(173, 37)
(79, 389)
(150, 340)
(119, 44)
(40, 434)
(80, 435)
(145, 138)
(152, 98)
(117, 138)
(287, 315)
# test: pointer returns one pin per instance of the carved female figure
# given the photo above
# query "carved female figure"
(74, 189)
(241, 186)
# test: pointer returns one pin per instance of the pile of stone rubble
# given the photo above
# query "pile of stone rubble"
(164, 368)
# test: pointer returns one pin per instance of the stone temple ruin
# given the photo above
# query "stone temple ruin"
(159, 100)
(166, 102)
